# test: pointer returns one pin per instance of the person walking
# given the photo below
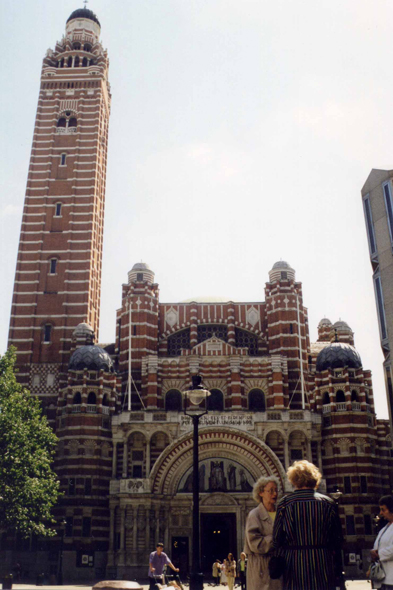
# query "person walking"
(216, 572)
(259, 535)
(223, 573)
(307, 533)
(230, 570)
(383, 546)
(157, 560)
(242, 569)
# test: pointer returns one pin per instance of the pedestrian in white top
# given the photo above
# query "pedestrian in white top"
(383, 546)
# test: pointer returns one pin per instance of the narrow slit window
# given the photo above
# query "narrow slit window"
(53, 266)
(63, 159)
(380, 306)
(58, 210)
(47, 333)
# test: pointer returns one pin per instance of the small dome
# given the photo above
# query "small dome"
(83, 329)
(141, 272)
(141, 266)
(341, 325)
(338, 355)
(91, 357)
(281, 264)
(324, 322)
(84, 13)
(281, 271)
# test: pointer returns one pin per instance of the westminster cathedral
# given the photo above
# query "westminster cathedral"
(124, 455)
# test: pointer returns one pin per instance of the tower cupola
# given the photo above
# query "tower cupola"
(281, 271)
(85, 20)
(141, 272)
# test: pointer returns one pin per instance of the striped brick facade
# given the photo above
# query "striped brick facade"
(125, 445)
(58, 271)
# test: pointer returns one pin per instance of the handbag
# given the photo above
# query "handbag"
(377, 573)
(276, 566)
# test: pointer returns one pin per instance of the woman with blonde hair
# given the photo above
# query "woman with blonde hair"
(259, 535)
(307, 533)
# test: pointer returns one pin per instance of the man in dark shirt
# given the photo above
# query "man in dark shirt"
(157, 560)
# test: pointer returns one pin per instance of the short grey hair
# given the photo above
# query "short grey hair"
(260, 485)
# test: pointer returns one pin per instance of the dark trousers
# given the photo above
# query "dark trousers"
(216, 580)
(242, 580)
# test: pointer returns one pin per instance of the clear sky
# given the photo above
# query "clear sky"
(241, 132)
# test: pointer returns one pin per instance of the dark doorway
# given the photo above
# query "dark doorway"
(179, 555)
(218, 538)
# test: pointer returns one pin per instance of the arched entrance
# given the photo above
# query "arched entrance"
(230, 461)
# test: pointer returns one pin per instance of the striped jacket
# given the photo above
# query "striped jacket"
(307, 532)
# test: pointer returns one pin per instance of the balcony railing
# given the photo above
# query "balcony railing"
(91, 409)
(65, 130)
(76, 408)
(341, 406)
(105, 410)
(326, 409)
(356, 407)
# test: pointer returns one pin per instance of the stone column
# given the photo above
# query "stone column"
(125, 460)
(134, 538)
(122, 536)
(111, 537)
(236, 400)
(114, 460)
(286, 453)
(231, 326)
(309, 451)
(148, 458)
(319, 454)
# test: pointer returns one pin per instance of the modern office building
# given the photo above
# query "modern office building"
(377, 198)
(125, 446)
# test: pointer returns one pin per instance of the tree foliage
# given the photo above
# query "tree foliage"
(28, 486)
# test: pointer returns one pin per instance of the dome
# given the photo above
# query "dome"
(324, 322)
(84, 13)
(141, 266)
(341, 325)
(83, 329)
(281, 271)
(338, 355)
(281, 264)
(141, 272)
(93, 358)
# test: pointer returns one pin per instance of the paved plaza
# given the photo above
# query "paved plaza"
(350, 585)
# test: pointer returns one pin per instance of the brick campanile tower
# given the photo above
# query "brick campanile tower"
(58, 271)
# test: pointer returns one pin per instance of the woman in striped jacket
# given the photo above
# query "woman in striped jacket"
(307, 533)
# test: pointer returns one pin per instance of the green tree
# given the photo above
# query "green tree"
(28, 486)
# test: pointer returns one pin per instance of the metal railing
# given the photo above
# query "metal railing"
(76, 408)
(91, 409)
(341, 406)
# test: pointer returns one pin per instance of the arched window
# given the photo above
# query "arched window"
(248, 340)
(92, 62)
(367, 397)
(53, 265)
(354, 395)
(326, 398)
(256, 400)
(62, 122)
(178, 341)
(215, 401)
(87, 47)
(84, 62)
(173, 401)
(340, 396)
(91, 398)
(76, 62)
(77, 399)
(72, 122)
(47, 333)
(62, 62)
(69, 62)
(76, 46)
(105, 401)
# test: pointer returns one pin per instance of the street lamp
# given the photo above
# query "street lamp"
(336, 495)
(195, 396)
(62, 523)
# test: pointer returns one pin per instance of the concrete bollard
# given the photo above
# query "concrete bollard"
(117, 585)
